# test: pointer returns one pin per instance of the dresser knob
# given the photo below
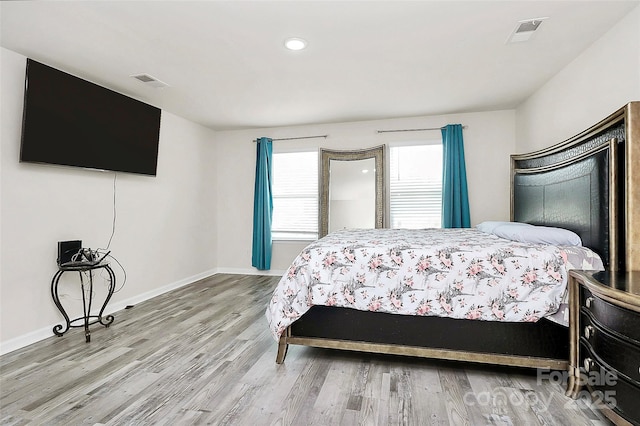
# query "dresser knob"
(588, 302)
(588, 363)
(588, 331)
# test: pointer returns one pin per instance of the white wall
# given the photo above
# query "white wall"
(165, 231)
(601, 80)
(489, 140)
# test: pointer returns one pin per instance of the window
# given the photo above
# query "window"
(415, 186)
(295, 196)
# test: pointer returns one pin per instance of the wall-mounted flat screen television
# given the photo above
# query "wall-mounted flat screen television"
(73, 122)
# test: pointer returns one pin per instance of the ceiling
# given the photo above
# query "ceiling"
(227, 68)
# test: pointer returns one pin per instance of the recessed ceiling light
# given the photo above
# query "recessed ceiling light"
(295, 43)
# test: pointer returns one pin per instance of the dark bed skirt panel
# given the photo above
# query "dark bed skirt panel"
(544, 338)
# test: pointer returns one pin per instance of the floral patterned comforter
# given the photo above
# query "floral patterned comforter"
(457, 273)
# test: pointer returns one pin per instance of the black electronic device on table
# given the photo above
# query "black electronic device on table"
(71, 254)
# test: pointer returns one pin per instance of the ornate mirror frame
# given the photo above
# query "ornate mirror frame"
(326, 155)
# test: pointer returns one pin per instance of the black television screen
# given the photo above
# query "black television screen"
(73, 122)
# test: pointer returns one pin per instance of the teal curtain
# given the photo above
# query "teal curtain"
(455, 198)
(262, 206)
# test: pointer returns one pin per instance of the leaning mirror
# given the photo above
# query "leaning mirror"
(351, 189)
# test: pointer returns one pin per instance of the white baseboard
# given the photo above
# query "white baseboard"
(253, 271)
(158, 291)
(46, 332)
(26, 339)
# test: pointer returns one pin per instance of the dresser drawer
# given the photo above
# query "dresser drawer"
(618, 394)
(624, 321)
(617, 353)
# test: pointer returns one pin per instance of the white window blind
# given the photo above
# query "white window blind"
(416, 186)
(295, 196)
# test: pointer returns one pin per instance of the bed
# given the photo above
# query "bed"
(584, 185)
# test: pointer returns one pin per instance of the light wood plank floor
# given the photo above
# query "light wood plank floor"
(203, 354)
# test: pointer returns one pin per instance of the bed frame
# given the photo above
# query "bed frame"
(588, 184)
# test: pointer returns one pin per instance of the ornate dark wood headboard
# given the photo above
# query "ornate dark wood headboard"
(587, 184)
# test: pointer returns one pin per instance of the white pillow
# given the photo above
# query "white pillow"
(490, 225)
(538, 235)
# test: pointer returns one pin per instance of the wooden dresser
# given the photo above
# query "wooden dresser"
(605, 342)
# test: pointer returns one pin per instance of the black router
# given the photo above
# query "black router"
(68, 251)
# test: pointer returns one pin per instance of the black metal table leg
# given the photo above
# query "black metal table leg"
(58, 329)
(86, 307)
(106, 321)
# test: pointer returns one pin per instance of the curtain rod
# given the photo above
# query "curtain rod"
(413, 130)
(299, 137)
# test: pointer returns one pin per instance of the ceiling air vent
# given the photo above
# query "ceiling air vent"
(525, 29)
(150, 80)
